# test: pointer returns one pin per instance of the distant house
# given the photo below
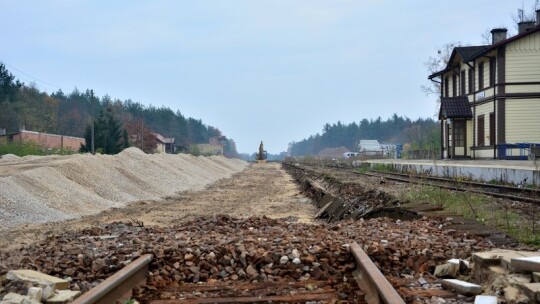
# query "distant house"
(490, 96)
(46, 140)
(164, 144)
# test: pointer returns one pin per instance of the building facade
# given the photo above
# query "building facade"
(490, 97)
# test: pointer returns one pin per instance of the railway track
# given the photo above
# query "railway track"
(338, 196)
(501, 191)
(522, 194)
(370, 284)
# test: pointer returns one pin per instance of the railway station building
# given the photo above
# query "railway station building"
(490, 97)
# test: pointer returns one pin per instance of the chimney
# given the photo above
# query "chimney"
(525, 26)
(498, 35)
(537, 17)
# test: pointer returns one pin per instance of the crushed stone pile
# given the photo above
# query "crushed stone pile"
(223, 249)
(60, 188)
(9, 157)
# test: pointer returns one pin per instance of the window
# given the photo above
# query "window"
(459, 133)
(462, 83)
(454, 86)
(446, 86)
(481, 75)
(471, 81)
(480, 128)
(492, 69)
(492, 129)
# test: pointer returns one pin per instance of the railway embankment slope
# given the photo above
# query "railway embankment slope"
(52, 188)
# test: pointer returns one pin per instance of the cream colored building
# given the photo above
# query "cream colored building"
(164, 144)
(490, 97)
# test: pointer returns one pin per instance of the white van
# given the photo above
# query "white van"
(350, 154)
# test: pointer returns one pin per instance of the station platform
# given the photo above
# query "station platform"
(518, 172)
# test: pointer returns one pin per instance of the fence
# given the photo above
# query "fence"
(519, 151)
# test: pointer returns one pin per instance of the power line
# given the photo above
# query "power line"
(32, 77)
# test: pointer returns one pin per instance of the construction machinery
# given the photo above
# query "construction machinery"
(262, 155)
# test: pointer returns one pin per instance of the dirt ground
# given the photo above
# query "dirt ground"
(258, 190)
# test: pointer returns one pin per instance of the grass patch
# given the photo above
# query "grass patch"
(21, 148)
(481, 208)
(383, 167)
(364, 167)
(24, 148)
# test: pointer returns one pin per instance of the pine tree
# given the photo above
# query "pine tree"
(109, 136)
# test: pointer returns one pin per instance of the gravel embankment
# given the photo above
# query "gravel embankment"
(45, 189)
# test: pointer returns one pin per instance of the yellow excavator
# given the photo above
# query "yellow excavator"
(262, 155)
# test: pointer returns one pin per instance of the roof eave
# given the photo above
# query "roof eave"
(437, 74)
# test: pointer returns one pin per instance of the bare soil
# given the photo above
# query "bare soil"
(259, 190)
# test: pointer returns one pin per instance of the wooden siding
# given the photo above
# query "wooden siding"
(522, 123)
(488, 153)
(527, 88)
(484, 109)
(489, 93)
(523, 59)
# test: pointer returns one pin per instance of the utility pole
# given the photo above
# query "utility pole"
(93, 120)
(142, 135)
(93, 125)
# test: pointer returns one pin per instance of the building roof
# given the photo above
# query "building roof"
(469, 53)
(455, 107)
(164, 140)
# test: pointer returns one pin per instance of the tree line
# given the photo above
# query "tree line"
(72, 113)
(420, 134)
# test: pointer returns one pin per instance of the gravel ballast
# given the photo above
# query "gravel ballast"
(45, 189)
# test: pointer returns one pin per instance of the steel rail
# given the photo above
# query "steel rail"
(500, 195)
(471, 183)
(118, 287)
(371, 280)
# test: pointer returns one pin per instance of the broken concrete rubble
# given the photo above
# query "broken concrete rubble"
(15, 298)
(448, 270)
(39, 288)
(529, 264)
(63, 296)
(462, 287)
(37, 278)
(485, 300)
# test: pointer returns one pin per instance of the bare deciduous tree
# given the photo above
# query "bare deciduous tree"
(437, 63)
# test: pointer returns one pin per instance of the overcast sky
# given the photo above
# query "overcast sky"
(273, 70)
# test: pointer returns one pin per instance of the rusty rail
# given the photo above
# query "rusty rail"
(390, 176)
(118, 287)
(371, 280)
